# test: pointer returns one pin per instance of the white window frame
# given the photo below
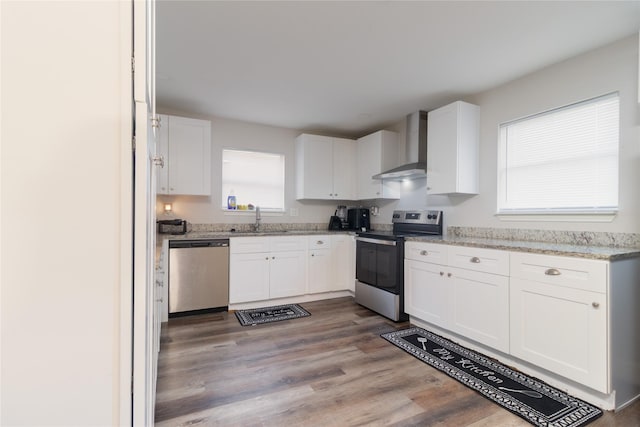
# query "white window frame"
(506, 211)
(239, 197)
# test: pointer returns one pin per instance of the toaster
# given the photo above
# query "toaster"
(172, 226)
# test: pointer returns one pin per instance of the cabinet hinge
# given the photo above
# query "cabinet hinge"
(133, 143)
(133, 64)
(156, 121)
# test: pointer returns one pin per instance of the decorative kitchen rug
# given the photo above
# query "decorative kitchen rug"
(276, 313)
(537, 402)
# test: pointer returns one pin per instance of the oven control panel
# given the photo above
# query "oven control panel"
(417, 217)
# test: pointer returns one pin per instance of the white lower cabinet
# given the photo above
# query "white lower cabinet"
(343, 263)
(266, 267)
(427, 292)
(471, 301)
(320, 271)
(559, 316)
(287, 274)
(248, 277)
(480, 307)
(319, 278)
(566, 318)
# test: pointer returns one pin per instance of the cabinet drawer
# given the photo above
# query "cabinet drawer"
(319, 242)
(287, 243)
(570, 272)
(427, 252)
(246, 245)
(479, 259)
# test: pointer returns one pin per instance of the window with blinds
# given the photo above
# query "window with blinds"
(254, 178)
(561, 161)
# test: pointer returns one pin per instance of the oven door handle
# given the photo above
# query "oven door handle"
(376, 241)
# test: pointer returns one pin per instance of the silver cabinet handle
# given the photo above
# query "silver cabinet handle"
(158, 161)
(423, 252)
(475, 260)
(595, 304)
(313, 254)
(552, 272)
(319, 242)
(442, 273)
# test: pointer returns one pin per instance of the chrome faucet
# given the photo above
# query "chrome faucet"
(257, 225)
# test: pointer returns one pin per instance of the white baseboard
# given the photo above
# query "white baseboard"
(290, 300)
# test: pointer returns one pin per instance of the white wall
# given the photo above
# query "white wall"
(61, 199)
(608, 69)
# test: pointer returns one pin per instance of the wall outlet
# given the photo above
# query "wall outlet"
(293, 211)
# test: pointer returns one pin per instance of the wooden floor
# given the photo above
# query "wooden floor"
(329, 369)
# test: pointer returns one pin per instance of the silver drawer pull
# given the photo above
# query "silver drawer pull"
(423, 252)
(319, 242)
(552, 272)
(442, 273)
(595, 304)
(475, 260)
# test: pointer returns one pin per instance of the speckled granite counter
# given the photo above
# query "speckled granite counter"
(561, 249)
(228, 234)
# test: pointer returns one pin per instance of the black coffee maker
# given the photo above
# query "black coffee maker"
(359, 219)
(339, 219)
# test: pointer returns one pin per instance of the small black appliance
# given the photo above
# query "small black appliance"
(359, 219)
(172, 226)
(335, 223)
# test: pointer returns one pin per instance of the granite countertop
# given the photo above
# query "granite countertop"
(228, 234)
(605, 253)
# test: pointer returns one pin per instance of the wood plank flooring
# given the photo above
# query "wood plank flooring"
(329, 369)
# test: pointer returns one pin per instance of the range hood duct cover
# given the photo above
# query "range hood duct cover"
(416, 151)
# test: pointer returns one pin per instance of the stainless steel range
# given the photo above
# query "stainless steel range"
(380, 261)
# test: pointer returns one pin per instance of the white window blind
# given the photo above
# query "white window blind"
(561, 161)
(254, 178)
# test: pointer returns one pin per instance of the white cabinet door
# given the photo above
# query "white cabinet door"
(376, 153)
(287, 274)
(428, 293)
(325, 168)
(319, 271)
(344, 169)
(480, 307)
(561, 329)
(453, 144)
(314, 168)
(189, 156)
(343, 251)
(248, 277)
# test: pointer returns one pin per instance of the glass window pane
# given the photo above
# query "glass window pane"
(562, 160)
(253, 178)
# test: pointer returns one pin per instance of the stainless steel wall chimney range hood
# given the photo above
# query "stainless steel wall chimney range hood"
(416, 149)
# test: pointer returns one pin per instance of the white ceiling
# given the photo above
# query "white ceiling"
(348, 68)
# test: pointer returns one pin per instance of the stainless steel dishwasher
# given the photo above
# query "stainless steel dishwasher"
(198, 275)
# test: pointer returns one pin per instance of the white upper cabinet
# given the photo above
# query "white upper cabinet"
(377, 153)
(185, 145)
(452, 149)
(325, 168)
